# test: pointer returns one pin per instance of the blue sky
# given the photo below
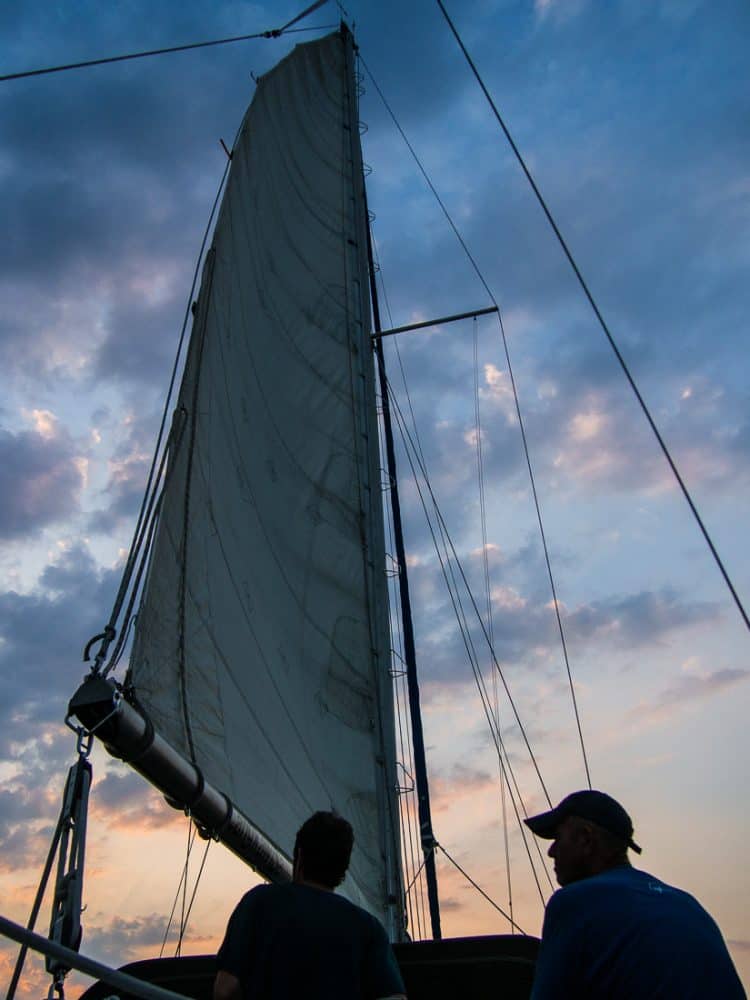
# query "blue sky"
(633, 119)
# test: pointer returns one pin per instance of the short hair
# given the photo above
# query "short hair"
(326, 840)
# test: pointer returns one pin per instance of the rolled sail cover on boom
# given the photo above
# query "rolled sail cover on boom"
(262, 644)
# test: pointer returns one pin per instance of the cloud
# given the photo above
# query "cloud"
(28, 812)
(525, 628)
(462, 781)
(124, 490)
(44, 631)
(686, 689)
(125, 800)
(40, 477)
(118, 940)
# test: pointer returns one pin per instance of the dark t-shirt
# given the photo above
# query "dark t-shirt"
(289, 941)
(624, 935)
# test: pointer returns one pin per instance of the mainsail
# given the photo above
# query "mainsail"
(262, 650)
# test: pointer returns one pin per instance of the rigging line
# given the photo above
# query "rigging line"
(423, 465)
(476, 611)
(405, 817)
(604, 326)
(191, 838)
(174, 904)
(468, 644)
(419, 870)
(308, 10)
(273, 33)
(140, 528)
(398, 353)
(488, 596)
(407, 833)
(410, 800)
(183, 928)
(491, 721)
(37, 904)
(545, 548)
(504, 814)
(521, 425)
(481, 891)
(128, 618)
(471, 653)
(480, 484)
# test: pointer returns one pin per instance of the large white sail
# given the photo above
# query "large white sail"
(262, 650)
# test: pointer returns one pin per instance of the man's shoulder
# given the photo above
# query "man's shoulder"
(354, 912)
(617, 885)
(601, 886)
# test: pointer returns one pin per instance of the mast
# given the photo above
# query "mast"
(427, 837)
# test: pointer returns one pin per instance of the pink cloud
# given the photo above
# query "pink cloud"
(686, 689)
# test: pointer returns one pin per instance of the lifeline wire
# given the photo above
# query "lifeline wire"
(602, 323)
(521, 425)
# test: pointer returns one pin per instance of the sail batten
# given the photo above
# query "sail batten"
(262, 646)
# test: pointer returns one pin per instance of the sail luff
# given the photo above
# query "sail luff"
(427, 837)
(373, 516)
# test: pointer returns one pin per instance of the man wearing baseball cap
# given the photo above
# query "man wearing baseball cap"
(613, 931)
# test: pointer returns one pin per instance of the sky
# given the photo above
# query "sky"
(633, 119)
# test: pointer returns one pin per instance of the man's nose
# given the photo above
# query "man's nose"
(551, 851)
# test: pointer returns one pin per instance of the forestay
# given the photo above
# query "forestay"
(262, 644)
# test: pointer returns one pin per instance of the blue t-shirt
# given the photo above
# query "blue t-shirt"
(291, 941)
(624, 935)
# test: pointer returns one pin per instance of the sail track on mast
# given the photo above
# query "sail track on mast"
(261, 651)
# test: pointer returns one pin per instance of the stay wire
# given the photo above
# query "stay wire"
(468, 645)
(183, 928)
(85, 64)
(604, 326)
(481, 891)
(183, 877)
(191, 838)
(142, 526)
(457, 561)
(407, 834)
(418, 450)
(488, 597)
(411, 808)
(394, 341)
(521, 424)
(419, 871)
(503, 774)
(453, 590)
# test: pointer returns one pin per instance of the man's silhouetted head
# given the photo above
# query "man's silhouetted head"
(323, 849)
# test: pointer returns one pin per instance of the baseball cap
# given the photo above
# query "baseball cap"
(598, 807)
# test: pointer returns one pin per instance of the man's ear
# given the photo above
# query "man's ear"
(588, 836)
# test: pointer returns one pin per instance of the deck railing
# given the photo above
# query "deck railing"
(120, 980)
